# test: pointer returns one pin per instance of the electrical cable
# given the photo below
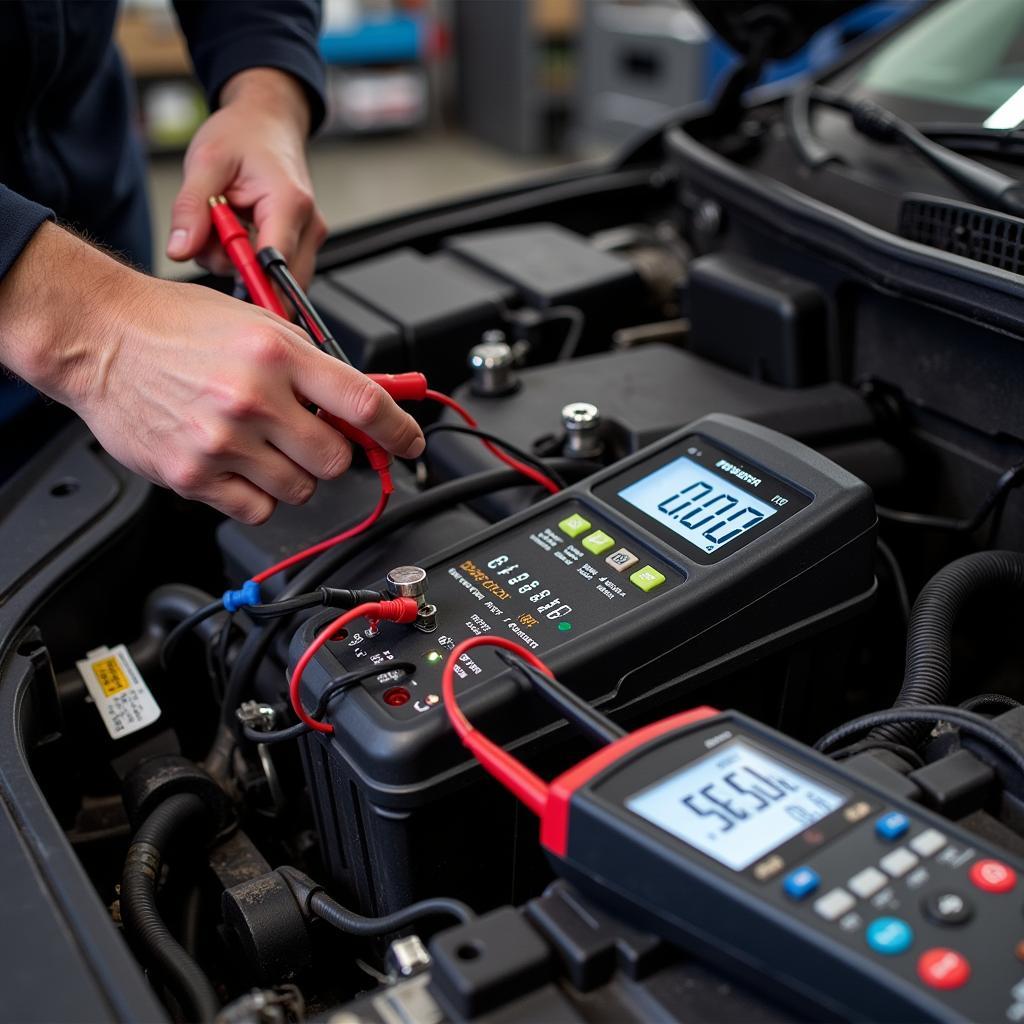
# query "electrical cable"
(399, 609)
(335, 687)
(422, 506)
(570, 705)
(908, 754)
(874, 121)
(144, 927)
(184, 627)
(324, 545)
(1008, 480)
(898, 581)
(370, 927)
(235, 240)
(528, 471)
(274, 264)
(524, 784)
(967, 722)
(483, 435)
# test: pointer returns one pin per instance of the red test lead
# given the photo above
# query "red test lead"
(235, 240)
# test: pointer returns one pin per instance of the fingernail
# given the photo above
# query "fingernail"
(417, 448)
(177, 243)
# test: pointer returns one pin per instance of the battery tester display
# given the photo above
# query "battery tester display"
(736, 804)
(697, 504)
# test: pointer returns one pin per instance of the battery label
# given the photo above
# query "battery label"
(118, 690)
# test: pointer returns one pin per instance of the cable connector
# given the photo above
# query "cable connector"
(248, 594)
(398, 609)
(402, 387)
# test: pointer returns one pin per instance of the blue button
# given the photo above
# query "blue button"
(889, 936)
(892, 825)
(801, 883)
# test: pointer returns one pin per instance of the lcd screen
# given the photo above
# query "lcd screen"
(699, 505)
(736, 804)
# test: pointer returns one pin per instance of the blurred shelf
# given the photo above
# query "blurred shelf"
(397, 39)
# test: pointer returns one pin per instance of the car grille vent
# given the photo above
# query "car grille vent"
(969, 231)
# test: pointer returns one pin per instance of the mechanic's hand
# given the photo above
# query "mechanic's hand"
(190, 388)
(251, 150)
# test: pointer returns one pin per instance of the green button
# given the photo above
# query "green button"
(574, 525)
(598, 542)
(647, 578)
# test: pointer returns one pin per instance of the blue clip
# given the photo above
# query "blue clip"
(248, 595)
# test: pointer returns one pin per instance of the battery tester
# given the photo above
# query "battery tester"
(735, 841)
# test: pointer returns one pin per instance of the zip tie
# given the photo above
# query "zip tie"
(248, 595)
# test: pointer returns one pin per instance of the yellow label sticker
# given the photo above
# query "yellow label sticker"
(110, 676)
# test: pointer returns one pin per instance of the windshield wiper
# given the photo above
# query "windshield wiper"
(874, 121)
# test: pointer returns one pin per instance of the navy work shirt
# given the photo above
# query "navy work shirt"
(68, 144)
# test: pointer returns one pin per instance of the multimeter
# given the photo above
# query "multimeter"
(747, 847)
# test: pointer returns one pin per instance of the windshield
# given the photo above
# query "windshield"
(962, 61)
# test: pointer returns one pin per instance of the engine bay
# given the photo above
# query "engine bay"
(764, 458)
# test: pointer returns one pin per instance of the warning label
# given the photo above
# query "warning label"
(118, 690)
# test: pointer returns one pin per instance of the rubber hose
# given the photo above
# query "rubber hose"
(928, 675)
(165, 607)
(367, 927)
(145, 929)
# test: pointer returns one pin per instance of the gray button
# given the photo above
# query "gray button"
(834, 904)
(622, 560)
(867, 882)
(929, 842)
(899, 862)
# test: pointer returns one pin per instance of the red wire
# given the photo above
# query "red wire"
(324, 545)
(401, 609)
(528, 471)
(511, 773)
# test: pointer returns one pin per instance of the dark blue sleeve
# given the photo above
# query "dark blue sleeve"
(228, 36)
(19, 220)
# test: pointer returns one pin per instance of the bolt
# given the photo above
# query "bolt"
(493, 362)
(582, 423)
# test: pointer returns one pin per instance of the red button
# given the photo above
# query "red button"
(993, 876)
(943, 968)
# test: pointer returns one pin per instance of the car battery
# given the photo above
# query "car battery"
(640, 615)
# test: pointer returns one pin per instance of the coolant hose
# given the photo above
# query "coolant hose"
(928, 675)
(144, 927)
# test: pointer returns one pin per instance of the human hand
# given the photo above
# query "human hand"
(252, 151)
(189, 388)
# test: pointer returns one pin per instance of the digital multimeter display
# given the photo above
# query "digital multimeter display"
(696, 503)
(736, 804)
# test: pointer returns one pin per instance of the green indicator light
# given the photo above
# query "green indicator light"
(434, 657)
(565, 626)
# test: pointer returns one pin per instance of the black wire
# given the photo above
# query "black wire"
(532, 460)
(972, 724)
(573, 707)
(437, 499)
(576, 324)
(367, 927)
(336, 686)
(908, 754)
(274, 609)
(274, 264)
(1009, 479)
(184, 627)
(898, 581)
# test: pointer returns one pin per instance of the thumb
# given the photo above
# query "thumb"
(190, 215)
